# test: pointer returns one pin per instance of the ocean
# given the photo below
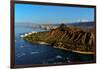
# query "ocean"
(27, 53)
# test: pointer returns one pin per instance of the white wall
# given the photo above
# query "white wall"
(5, 34)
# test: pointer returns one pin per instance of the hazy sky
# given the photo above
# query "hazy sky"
(51, 14)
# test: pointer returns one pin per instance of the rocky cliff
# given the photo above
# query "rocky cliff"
(68, 38)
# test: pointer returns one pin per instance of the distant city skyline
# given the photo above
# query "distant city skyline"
(43, 14)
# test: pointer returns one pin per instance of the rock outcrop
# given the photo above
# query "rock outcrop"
(69, 38)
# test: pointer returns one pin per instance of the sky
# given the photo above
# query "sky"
(51, 14)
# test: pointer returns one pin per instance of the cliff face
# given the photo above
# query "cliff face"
(66, 38)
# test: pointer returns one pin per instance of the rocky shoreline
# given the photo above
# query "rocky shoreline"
(66, 38)
(81, 52)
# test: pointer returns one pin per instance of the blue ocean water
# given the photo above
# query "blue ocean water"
(27, 53)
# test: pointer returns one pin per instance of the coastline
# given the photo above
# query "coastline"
(41, 42)
(81, 52)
